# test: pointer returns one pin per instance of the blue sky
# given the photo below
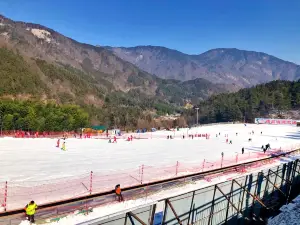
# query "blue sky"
(190, 26)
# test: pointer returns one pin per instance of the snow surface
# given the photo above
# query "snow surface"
(290, 214)
(24, 160)
(114, 209)
(29, 163)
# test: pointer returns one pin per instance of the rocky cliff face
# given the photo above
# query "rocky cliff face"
(228, 66)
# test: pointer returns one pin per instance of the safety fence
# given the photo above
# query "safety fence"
(14, 195)
(167, 211)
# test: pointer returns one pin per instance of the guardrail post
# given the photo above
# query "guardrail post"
(91, 182)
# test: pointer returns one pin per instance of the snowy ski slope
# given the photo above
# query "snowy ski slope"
(38, 160)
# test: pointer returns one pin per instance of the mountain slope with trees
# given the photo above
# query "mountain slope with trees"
(275, 97)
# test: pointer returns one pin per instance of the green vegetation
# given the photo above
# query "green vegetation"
(37, 116)
(274, 97)
(195, 90)
(16, 77)
(37, 95)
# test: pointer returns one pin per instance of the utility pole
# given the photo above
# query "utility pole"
(197, 114)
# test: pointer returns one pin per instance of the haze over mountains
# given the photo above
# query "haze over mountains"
(222, 65)
(38, 61)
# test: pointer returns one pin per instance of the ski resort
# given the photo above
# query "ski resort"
(149, 167)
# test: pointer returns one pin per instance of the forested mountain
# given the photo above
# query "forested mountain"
(262, 100)
(49, 81)
(223, 65)
(54, 58)
(40, 65)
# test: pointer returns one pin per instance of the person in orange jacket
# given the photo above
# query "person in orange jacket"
(119, 193)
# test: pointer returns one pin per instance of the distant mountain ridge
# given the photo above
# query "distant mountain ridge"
(68, 71)
(222, 65)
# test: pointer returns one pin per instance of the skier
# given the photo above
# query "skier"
(131, 137)
(63, 147)
(227, 140)
(230, 142)
(182, 136)
(119, 193)
(109, 141)
(222, 154)
(30, 209)
(57, 143)
(115, 139)
(236, 134)
(261, 133)
(243, 150)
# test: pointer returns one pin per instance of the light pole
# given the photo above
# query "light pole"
(197, 114)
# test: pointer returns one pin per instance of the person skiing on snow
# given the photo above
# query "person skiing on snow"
(115, 139)
(57, 143)
(243, 150)
(63, 147)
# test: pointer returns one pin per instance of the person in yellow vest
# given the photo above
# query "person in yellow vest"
(30, 209)
(63, 147)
